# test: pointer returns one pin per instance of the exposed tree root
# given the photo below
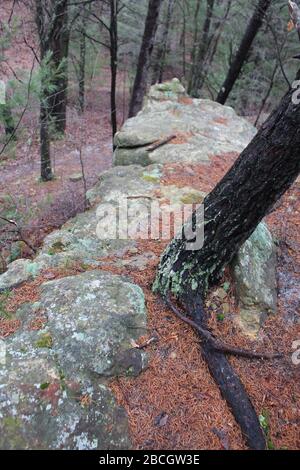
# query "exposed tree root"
(216, 344)
(224, 375)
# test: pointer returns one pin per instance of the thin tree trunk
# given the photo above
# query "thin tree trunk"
(243, 51)
(59, 45)
(195, 42)
(82, 61)
(140, 83)
(46, 169)
(162, 46)
(197, 69)
(7, 118)
(268, 92)
(211, 54)
(261, 175)
(183, 41)
(113, 63)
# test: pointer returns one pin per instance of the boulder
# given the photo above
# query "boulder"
(53, 382)
(254, 270)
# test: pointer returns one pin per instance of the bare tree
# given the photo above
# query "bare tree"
(160, 59)
(199, 55)
(140, 82)
(243, 50)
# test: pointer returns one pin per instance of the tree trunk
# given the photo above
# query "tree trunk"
(140, 83)
(46, 170)
(82, 61)
(215, 43)
(197, 67)
(195, 35)
(260, 176)
(243, 51)
(158, 69)
(59, 45)
(113, 31)
(7, 118)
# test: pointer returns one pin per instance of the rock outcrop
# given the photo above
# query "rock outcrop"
(203, 128)
(53, 381)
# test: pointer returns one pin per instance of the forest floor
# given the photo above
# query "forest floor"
(40, 207)
(166, 408)
(175, 403)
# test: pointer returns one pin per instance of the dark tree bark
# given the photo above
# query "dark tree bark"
(46, 169)
(195, 34)
(59, 45)
(159, 63)
(51, 19)
(260, 176)
(7, 118)
(140, 82)
(82, 61)
(113, 32)
(52, 23)
(198, 62)
(243, 51)
(215, 43)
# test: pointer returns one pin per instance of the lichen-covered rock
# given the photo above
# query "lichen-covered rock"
(92, 318)
(77, 241)
(53, 392)
(40, 408)
(254, 270)
(205, 129)
(17, 273)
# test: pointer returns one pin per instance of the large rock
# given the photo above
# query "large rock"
(53, 392)
(203, 128)
(254, 270)
(18, 272)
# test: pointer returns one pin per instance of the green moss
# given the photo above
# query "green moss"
(12, 427)
(44, 386)
(191, 198)
(3, 301)
(57, 247)
(151, 178)
(45, 341)
(264, 420)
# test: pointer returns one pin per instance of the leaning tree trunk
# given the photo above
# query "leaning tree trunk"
(260, 176)
(243, 51)
(140, 82)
